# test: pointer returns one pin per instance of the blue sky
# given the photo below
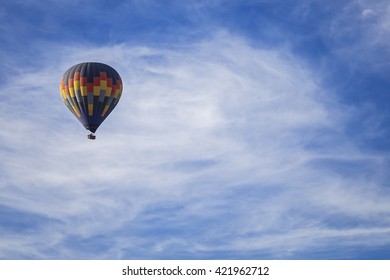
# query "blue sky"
(251, 129)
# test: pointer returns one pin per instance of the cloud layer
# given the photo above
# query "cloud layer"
(217, 149)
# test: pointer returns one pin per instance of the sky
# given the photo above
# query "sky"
(248, 129)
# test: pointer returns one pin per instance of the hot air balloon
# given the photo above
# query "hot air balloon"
(91, 90)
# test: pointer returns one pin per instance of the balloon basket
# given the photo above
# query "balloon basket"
(91, 136)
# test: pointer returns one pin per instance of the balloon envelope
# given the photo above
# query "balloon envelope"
(91, 90)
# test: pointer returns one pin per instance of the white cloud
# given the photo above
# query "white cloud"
(360, 33)
(367, 13)
(218, 137)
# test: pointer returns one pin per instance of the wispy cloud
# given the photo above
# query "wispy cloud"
(214, 146)
(361, 31)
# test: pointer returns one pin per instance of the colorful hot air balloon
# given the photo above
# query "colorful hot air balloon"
(91, 90)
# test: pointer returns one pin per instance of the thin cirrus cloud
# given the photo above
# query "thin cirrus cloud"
(359, 32)
(218, 149)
